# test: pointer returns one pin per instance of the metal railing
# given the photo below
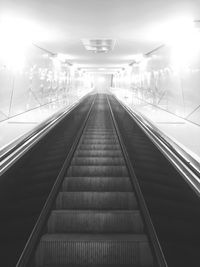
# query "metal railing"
(26, 256)
(181, 159)
(16, 149)
(155, 244)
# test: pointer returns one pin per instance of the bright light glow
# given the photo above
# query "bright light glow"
(57, 64)
(170, 31)
(62, 57)
(179, 31)
(143, 64)
(101, 79)
(16, 36)
(185, 44)
(182, 37)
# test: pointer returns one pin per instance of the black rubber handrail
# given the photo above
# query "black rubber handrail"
(24, 260)
(179, 153)
(16, 148)
(155, 244)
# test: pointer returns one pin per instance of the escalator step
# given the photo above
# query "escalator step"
(99, 147)
(98, 161)
(99, 141)
(105, 184)
(97, 171)
(99, 136)
(95, 222)
(93, 250)
(98, 153)
(96, 200)
(100, 132)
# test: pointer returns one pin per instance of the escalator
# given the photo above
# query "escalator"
(115, 200)
(174, 206)
(25, 186)
(96, 220)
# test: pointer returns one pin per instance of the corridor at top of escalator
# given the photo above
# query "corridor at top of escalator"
(146, 53)
(143, 56)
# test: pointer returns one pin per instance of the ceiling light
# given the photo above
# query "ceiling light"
(99, 45)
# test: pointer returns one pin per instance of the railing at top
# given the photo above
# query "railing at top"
(14, 150)
(172, 147)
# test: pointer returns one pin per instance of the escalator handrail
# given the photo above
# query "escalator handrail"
(167, 144)
(14, 150)
(157, 249)
(31, 244)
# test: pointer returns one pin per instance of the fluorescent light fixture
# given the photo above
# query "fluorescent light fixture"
(99, 45)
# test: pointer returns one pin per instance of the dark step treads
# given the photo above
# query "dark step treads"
(96, 128)
(74, 250)
(97, 171)
(99, 141)
(93, 132)
(96, 200)
(99, 147)
(106, 184)
(98, 153)
(99, 136)
(95, 222)
(98, 161)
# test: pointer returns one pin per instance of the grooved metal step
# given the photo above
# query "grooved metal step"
(103, 132)
(97, 171)
(99, 147)
(95, 221)
(99, 141)
(74, 250)
(98, 153)
(98, 161)
(64, 221)
(96, 200)
(99, 136)
(105, 184)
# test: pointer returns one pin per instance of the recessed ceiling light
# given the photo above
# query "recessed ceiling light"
(99, 45)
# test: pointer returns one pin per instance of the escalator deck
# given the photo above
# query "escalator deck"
(95, 220)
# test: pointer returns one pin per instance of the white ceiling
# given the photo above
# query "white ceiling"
(128, 21)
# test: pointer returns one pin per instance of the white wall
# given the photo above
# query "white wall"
(40, 80)
(172, 84)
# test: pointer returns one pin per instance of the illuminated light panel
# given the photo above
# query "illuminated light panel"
(99, 45)
(17, 35)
